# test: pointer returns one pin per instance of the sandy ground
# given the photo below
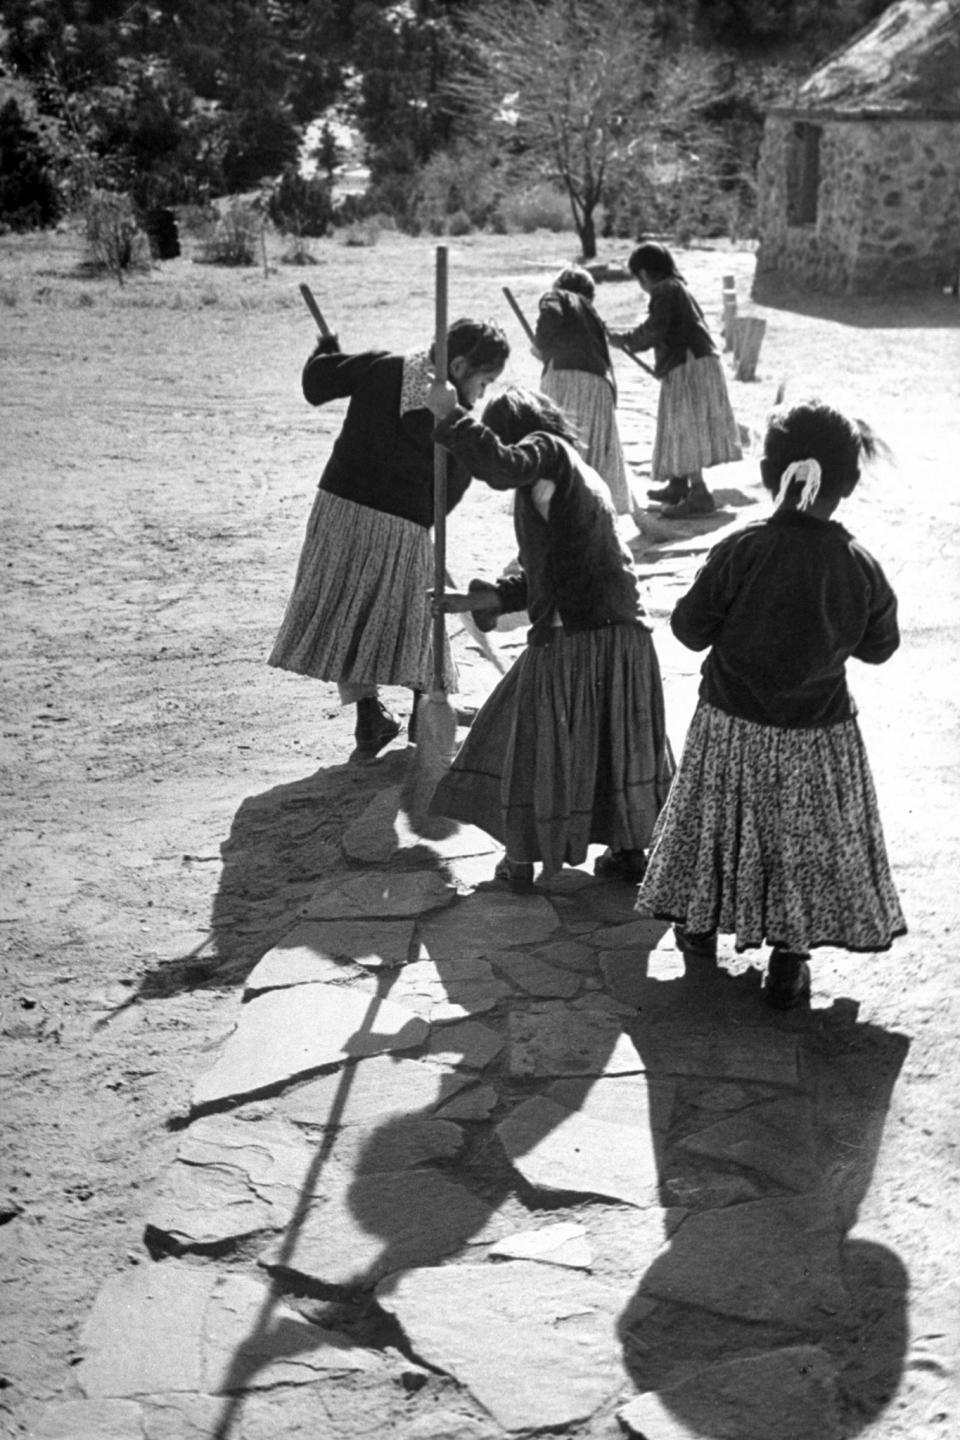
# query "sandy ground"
(158, 464)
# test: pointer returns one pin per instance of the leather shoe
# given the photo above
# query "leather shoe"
(787, 981)
(689, 508)
(629, 865)
(517, 875)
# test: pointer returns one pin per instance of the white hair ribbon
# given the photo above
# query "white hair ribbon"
(809, 474)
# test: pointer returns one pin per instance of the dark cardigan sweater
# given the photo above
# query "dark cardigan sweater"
(574, 564)
(783, 604)
(570, 335)
(673, 328)
(380, 459)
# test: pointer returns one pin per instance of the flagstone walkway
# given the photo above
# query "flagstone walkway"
(473, 1164)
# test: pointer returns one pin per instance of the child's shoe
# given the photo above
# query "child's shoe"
(629, 865)
(699, 946)
(375, 728)
(517, 875)
(694, 504)
(787, 981)
(671, 493)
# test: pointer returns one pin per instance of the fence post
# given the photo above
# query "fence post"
(729, 310)
(750, 333)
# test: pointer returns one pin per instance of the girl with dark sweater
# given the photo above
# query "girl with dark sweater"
(772, 832)
(359, 614)
(571, 748)
(571, 341)
(695, 423)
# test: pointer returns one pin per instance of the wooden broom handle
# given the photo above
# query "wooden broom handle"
(314, 309)
(440, 367)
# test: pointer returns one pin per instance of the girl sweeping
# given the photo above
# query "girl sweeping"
(359, 613)
(571, 341)
(771, 832)
(695, 423)
(570, 749)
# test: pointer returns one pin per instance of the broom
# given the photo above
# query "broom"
(436, 717)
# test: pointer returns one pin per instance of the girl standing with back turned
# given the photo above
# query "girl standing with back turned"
(578, 376)
(771, 832)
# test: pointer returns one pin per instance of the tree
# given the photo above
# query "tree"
(29, 194)
(564, 86)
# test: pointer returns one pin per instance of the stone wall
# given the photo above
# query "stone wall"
(888, 211)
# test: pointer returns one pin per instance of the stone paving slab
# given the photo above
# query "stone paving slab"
(370, 1090)
(538, 1197)
(375, 1225)
(767, 1260)
(565, 1244)
(380, 895)
(450, 990)
(535, 1346)
(283, 1034)
(231, 1178)
(559, 1149)
(322, 950)
(485, 923)
(674, 1046)
(162, 1328)
(789, 1394)
(552, 1038)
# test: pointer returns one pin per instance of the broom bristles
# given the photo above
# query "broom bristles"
(436, 747)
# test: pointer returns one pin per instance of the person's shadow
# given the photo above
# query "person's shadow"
(762, 1317)
(765, 1131)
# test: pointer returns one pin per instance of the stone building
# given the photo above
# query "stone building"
(859, 183)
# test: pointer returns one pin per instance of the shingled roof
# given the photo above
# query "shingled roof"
(907, 63)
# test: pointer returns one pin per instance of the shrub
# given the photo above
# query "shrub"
(114, 240)
(234, 239)
(296, 253)
(539, 207)
(301, 206)
(29, 197)
(459, 223)
(360, 233)
(456, 192)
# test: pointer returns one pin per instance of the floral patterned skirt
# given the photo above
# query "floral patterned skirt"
(569, 750)
(359, 612)
(773, 835)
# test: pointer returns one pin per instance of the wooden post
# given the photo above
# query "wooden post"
(750, 337)
(729, 310)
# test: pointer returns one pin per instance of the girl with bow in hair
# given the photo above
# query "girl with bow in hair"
(771, 831)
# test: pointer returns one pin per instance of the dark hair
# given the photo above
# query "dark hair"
(655, 259)
(575, 278)
(481, 343)
(813, 430)
(518, 412)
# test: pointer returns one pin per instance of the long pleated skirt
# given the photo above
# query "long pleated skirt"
(588, 400)
(359, 612)
(696, 426)
(773, 836)
(569, 750)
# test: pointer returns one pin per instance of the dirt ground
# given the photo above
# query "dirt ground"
(158, 464)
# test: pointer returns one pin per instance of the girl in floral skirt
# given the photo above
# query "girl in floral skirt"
(771, 831)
